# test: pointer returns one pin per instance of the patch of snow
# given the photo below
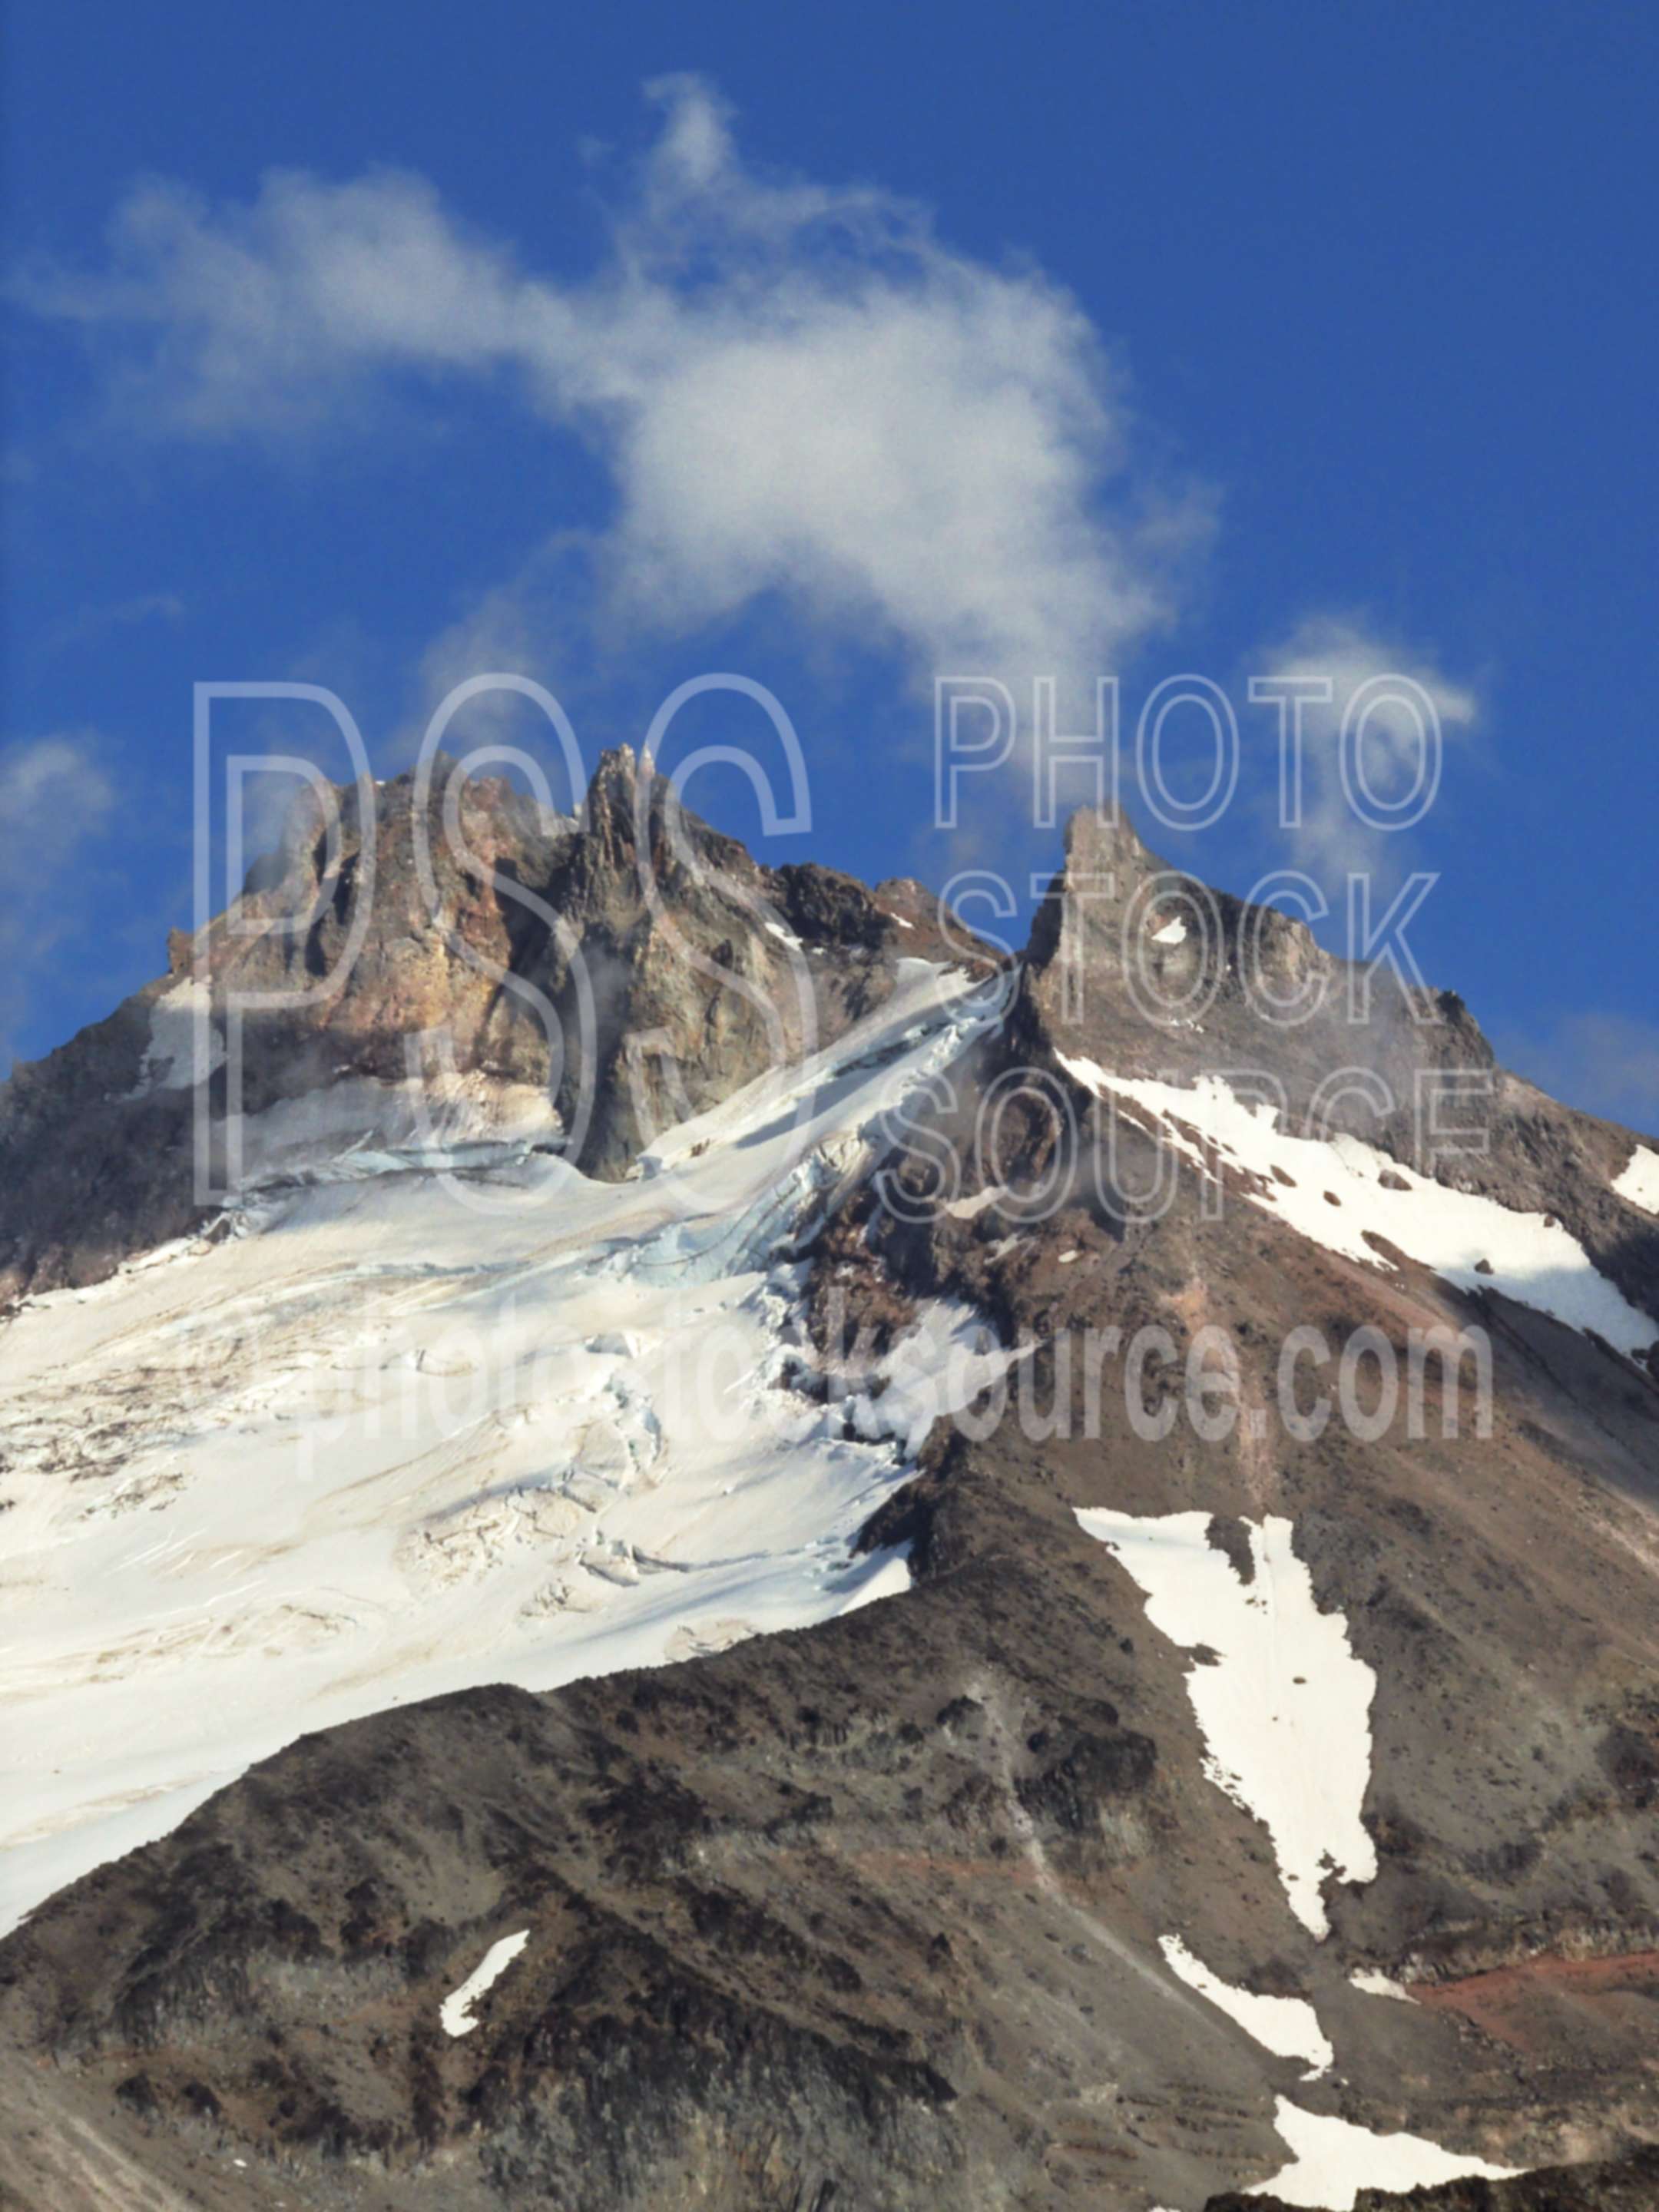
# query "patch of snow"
(177, 1020)
(1067, 1258)
(456, 2011)
(1286, 1710)
(1529, 1257)
(945, 1358)
(1334, 2160)
(784, 936)
(1639, 1180)
(885, 1574)
(1288, 2027)
(1173, 932)
(968, 1209)
(1373, 1984)
(933, 1014)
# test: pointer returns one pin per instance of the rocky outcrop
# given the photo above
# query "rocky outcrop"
(1164, 976)
(468, 966)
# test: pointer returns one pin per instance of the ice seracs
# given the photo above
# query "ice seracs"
(943, 1362)
(1286, 1710)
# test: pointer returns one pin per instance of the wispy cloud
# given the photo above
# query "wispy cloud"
(122, 614)
(799, 390)
(1607, 1063)
(1336, 836)
(55, 798)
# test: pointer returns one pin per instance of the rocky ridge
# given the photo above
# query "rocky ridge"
(475, 967)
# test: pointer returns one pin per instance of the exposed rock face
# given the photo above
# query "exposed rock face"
(671, 982)
(1185, 980)
(98, 1140)
(476, 963)
(874, 1914)
(1191, 979)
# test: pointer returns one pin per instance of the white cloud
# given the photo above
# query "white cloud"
(796, 389)
(53, 795)
(54, 798)
(1337, 834)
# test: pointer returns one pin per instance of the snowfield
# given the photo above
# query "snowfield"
(1474, 1242)
(1639, 1181)
(1286, 1710)
(456, 2011)
(1285, 1714)
(1334, 2160)
(1288, 2027)
(437, 1417)
(1370, 1983)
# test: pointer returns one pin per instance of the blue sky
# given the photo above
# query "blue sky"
(1133, 339)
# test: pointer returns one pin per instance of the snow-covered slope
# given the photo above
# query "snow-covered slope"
(1283, 1702)
(1334, 2159)
(1343, 1193)
(411, 1430)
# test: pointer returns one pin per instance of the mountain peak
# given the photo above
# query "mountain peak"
(476, 938)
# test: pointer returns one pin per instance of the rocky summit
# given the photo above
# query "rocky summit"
(674, 1539)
